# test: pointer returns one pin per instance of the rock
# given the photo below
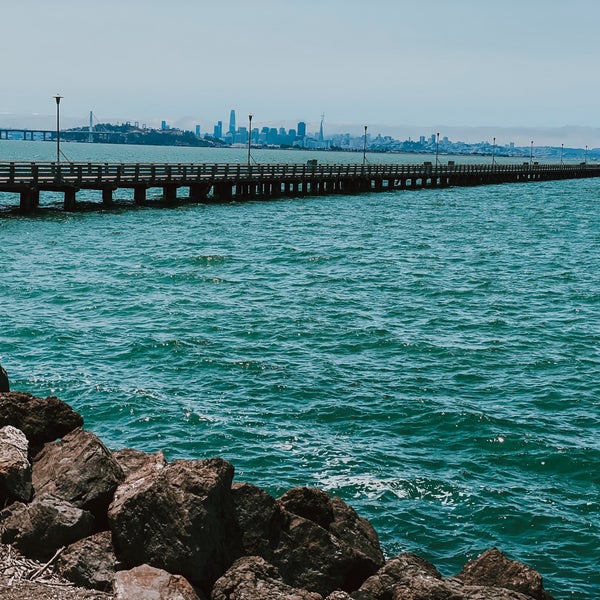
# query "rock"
(251, 577)
(340, 555)
(41, 420)
(259, 518)
(135, 461)
(148, 583)
(90, 562)
(15, 469)
(431, 588)
(78, 469)
(178, 518)
(403, 568)
(339, 595)
(4, 384)
(494, 568)
(39, 529)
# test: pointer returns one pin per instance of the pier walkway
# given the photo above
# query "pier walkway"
(223, 182)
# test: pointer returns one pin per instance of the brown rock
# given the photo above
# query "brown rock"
(494, 568)
(4, 385)
(178, 518)
(259, 519)
(90, 562)
(404, 568)
(39, 529)
(135, 462)
(41, 420)
(252, 578)
(148, 583)
(15, 469)
(78, 469)
(323, 559)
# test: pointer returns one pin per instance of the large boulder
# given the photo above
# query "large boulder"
(260, 519)
(494, 568)
(39, 529)
(79, 469)
(90, 562)
(251, 577)
(178, 518)
(135, 462)
(41, 420)
(430, 588)
(324, 544)
(15, 469)
(404, 568)
(4, 384)
(149, 583)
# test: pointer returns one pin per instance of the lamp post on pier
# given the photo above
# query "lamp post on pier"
(585, 160)
(58, 99)
(494, 152)
(437, 149)
(249, 135)
(562, 147)
(531, 155)
(365, 147)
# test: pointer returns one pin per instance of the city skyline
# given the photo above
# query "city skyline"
(394, 66)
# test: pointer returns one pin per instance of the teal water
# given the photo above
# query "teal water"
(433, 357)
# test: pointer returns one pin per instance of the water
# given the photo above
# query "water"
(431, 356)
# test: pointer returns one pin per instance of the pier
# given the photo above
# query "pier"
(224, 182)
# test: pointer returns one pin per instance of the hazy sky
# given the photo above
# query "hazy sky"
(501, 63)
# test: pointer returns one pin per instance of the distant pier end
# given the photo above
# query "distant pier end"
(223, 182)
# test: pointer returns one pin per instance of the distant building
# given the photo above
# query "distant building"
(218, 130)
(301, 129)
(163, 125)
(197, 130)
(232, 122)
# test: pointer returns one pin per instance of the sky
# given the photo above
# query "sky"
(461, 67)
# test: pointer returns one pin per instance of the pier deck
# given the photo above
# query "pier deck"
(222, 182)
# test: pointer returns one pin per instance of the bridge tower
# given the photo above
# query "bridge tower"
(91, 128)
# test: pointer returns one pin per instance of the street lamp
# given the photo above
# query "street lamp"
(437, 149)
(365, 147)
(531, 154)
(249, 136)
(494, 152)
(562, 147)
(586, 149)
(57, 98)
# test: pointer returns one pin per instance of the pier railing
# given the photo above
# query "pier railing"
(216, 182)
(82, 173)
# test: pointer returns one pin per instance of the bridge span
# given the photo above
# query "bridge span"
(223, 182)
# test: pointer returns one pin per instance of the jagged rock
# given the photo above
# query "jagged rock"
(339, 595)
(339, 550)
(41, 420)
(78, 469)
(15, 469)
(4, 384)
(259, 518)
(39, 529)
(494, 568)
(403, 568)
(178, 518)
(135, 462)
(431, 588)
(251, 577)
(149, 583)
(90, 562)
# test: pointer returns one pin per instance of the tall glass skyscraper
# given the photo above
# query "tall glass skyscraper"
(232, 122)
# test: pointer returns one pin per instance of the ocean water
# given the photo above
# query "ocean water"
(432, 356)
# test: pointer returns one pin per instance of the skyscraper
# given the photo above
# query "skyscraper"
(232, 122)
(302, 129)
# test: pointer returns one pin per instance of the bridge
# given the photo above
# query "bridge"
(223, 182)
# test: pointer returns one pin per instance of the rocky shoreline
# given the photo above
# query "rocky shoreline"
(81, 521)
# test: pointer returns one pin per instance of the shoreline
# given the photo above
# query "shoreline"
(187, 523)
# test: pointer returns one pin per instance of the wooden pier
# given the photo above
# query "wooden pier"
(223, 182)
